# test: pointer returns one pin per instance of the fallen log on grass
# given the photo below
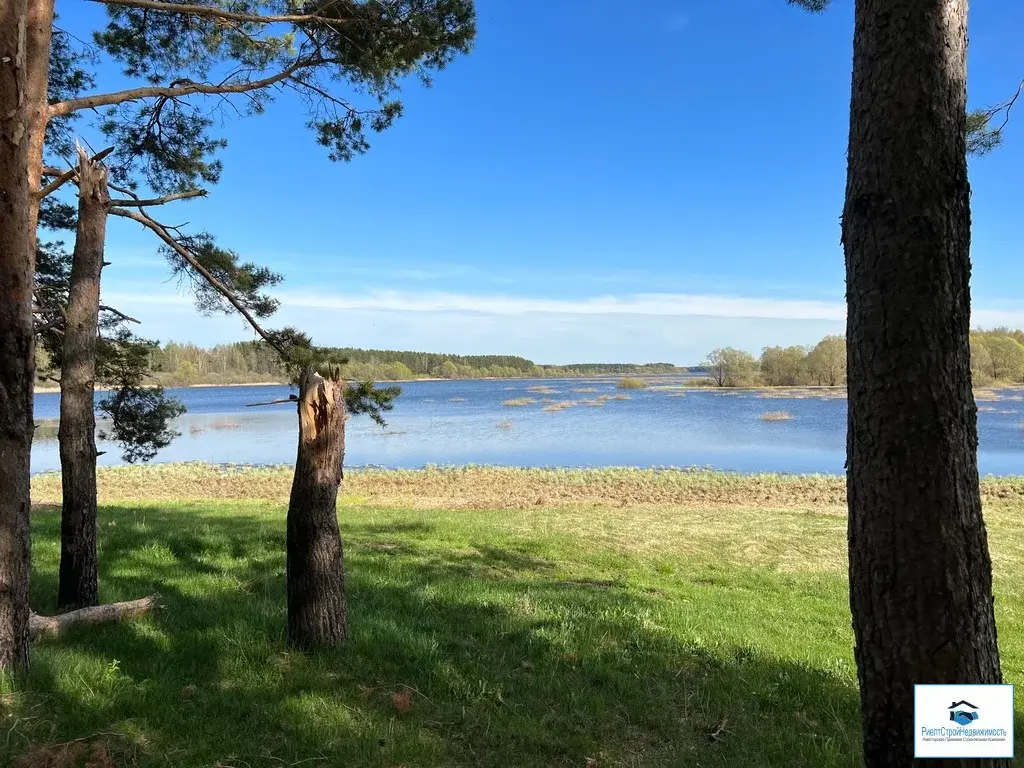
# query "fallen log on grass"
(54, 626)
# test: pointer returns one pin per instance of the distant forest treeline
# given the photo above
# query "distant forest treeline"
(175, 364)
(997, 357)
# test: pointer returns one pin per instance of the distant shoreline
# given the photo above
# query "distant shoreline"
(49, 390)
(55, 389)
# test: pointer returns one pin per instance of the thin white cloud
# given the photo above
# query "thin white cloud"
(662, 304)
(629, 328)
(657, 304)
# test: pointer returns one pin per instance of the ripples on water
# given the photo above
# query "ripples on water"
(466, 422)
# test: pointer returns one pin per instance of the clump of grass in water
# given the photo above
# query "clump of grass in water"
(458, 399)
(195, 430)
(631, 382)
(561, 406)
(504, 425)
(776, 416)
(519, 402)
(598, 403)
(542, 389)
(584, 390)
(678, 394)
(622, 397)
(225, 425)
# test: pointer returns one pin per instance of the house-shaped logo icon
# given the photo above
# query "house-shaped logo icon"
(963, 712)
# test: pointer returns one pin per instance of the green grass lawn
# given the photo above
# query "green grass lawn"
(597, 633)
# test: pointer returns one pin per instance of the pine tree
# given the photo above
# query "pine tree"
(920, 571)
(179, 54)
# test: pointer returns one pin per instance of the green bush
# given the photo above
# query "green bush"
(630, 382)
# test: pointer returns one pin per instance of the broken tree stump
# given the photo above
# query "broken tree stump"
(315, 574)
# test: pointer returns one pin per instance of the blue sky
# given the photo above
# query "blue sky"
(588, 184)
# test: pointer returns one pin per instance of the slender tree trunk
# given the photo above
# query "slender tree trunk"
(316, 576)
(25, 27)
(78, 585)
(920, 574)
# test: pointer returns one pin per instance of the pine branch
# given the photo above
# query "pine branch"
(122, 190)
(981, 137)
(323, 94)
(50, 325)
(119, 313)
(137, 202)
(1005, 107)
(164, 233)
(175, 90)
(209, 12)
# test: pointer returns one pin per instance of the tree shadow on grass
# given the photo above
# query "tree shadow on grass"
(482, 657)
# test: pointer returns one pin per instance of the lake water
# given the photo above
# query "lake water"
(466, 422)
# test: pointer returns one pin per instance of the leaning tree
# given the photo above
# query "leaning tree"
(179, 54)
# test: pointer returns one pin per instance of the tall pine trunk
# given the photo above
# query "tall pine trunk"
(78, 585)
(17, 370)
(315, 574)
(25, 27)
(920, 574)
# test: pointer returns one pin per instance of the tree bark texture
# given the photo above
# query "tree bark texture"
(39, 38)
(315, 574)
(25, 27)
(920, 573)
(78, 583)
